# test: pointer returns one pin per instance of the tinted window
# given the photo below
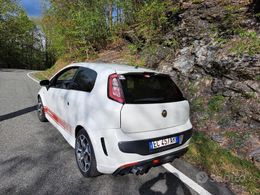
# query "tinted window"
(149, 88)
(85, 79)
(67, 75)
(65, 78)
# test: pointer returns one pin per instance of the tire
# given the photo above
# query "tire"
(85, 156)
(40, 111)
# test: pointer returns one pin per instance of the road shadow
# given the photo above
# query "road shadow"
(12, 70)
(18, 113)
(174, 185)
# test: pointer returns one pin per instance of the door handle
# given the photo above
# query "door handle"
(68, 103)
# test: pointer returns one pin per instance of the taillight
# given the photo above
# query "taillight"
(114, 89)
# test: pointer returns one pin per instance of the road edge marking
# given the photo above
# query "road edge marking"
(35, 80)
(192, 184)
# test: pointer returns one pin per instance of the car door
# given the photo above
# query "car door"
(57, 94)
(80, 97)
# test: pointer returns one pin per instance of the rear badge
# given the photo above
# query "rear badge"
(164, 113)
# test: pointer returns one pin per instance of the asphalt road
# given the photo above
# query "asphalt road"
(35, 158)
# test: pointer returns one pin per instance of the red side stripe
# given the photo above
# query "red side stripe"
(58, 120)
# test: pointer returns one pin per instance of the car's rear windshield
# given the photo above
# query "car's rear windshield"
(148, 88)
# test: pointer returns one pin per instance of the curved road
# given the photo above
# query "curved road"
(35, 159)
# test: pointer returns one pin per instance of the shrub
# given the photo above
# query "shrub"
(216, 103)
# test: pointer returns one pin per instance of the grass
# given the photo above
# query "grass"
(247, 42)
(250, 95)
(208, 155)
(197, 1)
(47, 74)
(39, 75)
(216, 103)
(197, 105)
(237, 139)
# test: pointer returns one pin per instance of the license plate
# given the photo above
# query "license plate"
(163, 142)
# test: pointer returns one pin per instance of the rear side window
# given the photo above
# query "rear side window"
(149, 88)
(85, 79)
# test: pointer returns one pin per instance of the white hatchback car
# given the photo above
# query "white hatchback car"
(120, 119)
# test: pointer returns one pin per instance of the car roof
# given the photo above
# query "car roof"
(118, 68)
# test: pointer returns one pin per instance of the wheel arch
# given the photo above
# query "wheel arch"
(41, 95)
(77, 129)
(94, 138)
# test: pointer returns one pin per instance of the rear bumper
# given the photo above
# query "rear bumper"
(110, 157)
(142, 147)
(144, 166)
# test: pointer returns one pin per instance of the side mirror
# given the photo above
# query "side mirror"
(45, 83)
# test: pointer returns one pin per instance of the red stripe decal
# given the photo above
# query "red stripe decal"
(58, 120)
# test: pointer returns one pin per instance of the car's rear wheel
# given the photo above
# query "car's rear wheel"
(85, 155)
(40, 111)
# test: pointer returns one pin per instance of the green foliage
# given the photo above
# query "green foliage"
(236, 139)
(20, 41)
(247, 42)
(257, 16)
(133, 49)
(82, 28)
(198, 105)
(172, 43)
(151, 49)
(151, 19)
(77, 27)
(216, 103)
(250, 95)
(197, 1)
(39, 76)
(212, 158)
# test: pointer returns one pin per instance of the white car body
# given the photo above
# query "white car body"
(69, 110)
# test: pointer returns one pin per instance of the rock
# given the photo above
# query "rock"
(217, 85)
(185, 61)
(239, 87)
(255, 155)
(217, 138)
(254, 85)
(202, 55)
(130, 36)
(153, 61)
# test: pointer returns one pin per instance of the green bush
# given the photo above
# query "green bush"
(247, 42)
(152, 19)
(216, 103)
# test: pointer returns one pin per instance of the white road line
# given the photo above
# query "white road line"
(28, 74)
(192, 184)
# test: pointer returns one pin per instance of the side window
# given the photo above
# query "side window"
(85, 79)
(65, 79)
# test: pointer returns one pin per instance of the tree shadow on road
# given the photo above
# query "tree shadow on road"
(174, 185)
(12, 70)
(18, 113)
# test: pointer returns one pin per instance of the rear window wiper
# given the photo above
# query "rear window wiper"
(148, 100)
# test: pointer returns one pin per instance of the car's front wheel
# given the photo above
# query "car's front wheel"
(85, 156)
(40, 111)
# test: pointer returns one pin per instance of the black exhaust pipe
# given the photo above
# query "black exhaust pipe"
(137, 170)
